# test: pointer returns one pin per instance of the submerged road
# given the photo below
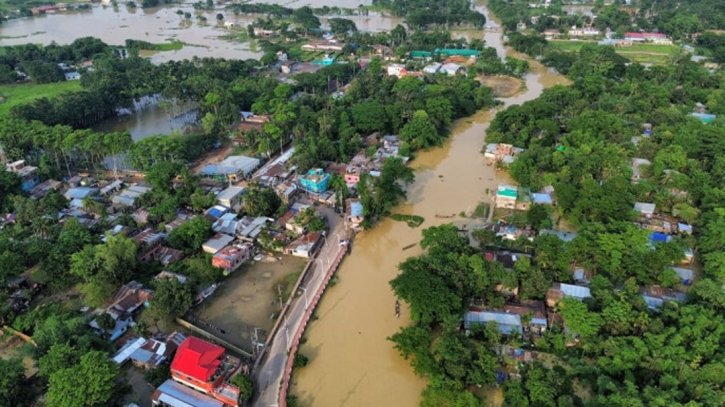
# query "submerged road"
(270, 372)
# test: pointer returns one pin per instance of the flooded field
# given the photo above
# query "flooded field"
(247, 300)
(151, 120)
(115, 25)
(351, 362)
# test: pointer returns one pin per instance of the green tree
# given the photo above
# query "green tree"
(261, 201)
(190, 235)
(12, 390)
(88, 383)
(172, 298)
(420, 132)
(246, 386)
(60, 356)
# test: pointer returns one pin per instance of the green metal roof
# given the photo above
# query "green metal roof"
(511, 193)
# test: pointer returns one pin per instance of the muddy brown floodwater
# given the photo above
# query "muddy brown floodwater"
(247, 300)
(351, 362)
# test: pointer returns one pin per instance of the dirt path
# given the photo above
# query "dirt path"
(213, 157)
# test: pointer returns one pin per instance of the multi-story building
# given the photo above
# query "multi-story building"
(206, 368)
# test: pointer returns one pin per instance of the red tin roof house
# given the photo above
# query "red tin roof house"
(206, 368)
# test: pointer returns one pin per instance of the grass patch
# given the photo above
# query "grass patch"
(286, 283)
(13, 95)
(653, 48)
(568, 46)
(481, 210)
(413, 221)
(168, 46)
(646, 59)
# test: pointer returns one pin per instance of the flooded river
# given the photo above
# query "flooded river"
(351, 362)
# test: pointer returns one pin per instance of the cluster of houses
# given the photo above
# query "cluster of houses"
(502, 153)
(456, 61)
(201, 372)
(534, 317)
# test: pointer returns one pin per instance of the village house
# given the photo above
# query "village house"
(166, 255)
(250, 228)
(354, 214)
(512, 197)
(326, 46)
(44, 188)
(559, 291)
(72, 76)
(502, 152)
(111, 188)
(216, 212)
(179, 220)
(506, 196)
(645, 209)
(125, 303)
(130, 196)
(639, 165)
(147, 242)
(28, 174)
(450, 69)
(156, 350)
(581, 276)
(656, 296)
(231, 197)
(261, 32)
(506, 258)
(167, 274)
(656, 38)
(231, 257)
(216, 243)
(505, 323)
(542, 198)
(78, 194)
(171, 393)
(551, 34)
(207, 368)
(315, 181)
(396, 70)
(231, 169)
(432, 68)
(352, 175)
(304, 246)
(685, 275)
(533, 309)
(510, 232)
(287, 67)
(584, 32)
(227, 224)
(287, 191)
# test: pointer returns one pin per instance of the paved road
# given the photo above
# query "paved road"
(269, 375)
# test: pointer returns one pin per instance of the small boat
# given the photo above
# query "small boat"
(409, 246)
(444, 216)
(258, 257)
(397, 309)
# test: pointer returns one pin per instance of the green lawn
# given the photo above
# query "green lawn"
(19, 94)
(642, 53)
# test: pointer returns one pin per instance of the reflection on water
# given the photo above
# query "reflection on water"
(115, 25)
(352, 363)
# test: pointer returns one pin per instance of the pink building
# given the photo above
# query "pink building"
(352, 174)
(231, 257)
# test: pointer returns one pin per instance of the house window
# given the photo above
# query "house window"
(188, 378)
